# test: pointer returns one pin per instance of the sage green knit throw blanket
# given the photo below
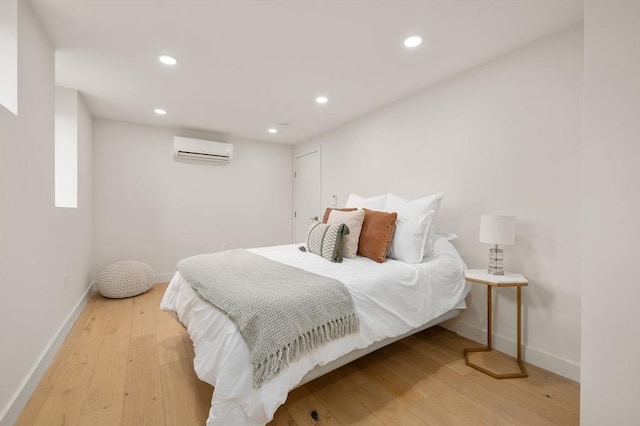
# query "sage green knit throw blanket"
(282, 312)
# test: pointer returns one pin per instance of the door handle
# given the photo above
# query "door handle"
(314, 218)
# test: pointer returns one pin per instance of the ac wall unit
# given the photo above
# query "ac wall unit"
(198, 149)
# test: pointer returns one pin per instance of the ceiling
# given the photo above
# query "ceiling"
(245, 66)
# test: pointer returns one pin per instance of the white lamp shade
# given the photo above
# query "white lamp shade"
(497, 229)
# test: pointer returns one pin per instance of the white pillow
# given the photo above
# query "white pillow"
(371, 203)
(353, 220)
(418, 207)
(449, 236)
(409, 238)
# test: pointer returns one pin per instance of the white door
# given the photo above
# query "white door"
(307, 176)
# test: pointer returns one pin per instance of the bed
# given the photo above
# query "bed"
(392, 299)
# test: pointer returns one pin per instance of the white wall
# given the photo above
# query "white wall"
(152, 208)
(39, 243)
(502, 138)
(610, 375)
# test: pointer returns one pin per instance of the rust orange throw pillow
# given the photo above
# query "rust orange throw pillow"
(376, 234)
(327, 212)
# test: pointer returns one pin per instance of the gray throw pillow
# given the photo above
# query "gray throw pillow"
(326, 240)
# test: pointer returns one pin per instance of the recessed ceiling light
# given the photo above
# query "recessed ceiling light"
(167, 60)
(413, 41)
(160, 111)
(273, 130)
(322, 99)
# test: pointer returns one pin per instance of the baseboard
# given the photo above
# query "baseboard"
(537, 357)
(163, 278)
(12, 410)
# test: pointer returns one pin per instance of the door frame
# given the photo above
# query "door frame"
(295, 156)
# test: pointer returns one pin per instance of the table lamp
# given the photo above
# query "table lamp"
(497, 230)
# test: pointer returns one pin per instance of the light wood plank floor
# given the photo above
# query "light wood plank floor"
(125, 362)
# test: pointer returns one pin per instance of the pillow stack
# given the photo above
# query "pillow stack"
(373, 203)
(415, 228)
(378, 226)
(385, 226)
(353, 219)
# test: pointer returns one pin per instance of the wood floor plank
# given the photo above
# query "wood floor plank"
(108, 416)
(395, 385)
(107, 384)
(182, 403)
(430, 411)
(344, 406)
(506, 405)
(81, 361)
(283, 418)
(62, 408)
(436, 352)
(188, 345)
(433, 413)
(171, 339)
(43, 390)
(419, 380)
(145, 310)
(86, 314)
(377, 399)
(143, 402)
(424, 380)
(550, 385)
(301, 402)
(205, 390)
(527, 401)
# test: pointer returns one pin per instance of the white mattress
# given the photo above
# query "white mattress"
(391, 299)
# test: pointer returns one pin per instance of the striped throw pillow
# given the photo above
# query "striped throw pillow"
(326, 240)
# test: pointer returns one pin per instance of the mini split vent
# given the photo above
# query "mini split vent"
(198, 149)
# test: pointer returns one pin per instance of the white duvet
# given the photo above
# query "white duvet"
(390, 298)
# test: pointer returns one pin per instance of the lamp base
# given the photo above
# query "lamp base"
(496, 261)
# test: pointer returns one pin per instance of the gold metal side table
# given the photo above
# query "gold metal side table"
(481, 276)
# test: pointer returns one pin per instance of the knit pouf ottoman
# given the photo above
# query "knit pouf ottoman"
(125, 279)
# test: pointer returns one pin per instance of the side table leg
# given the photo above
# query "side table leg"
(489, 325)
(519, 297)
